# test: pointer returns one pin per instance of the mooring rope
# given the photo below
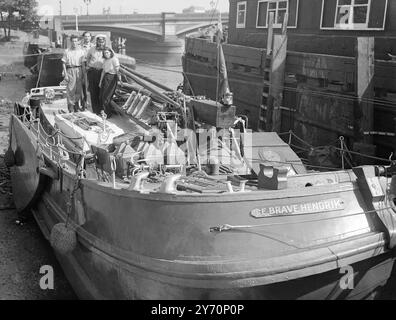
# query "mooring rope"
(46, 137)
(228, 227)
(341, 150)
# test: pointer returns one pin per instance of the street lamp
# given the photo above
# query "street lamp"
(75, 9)
(87, 2)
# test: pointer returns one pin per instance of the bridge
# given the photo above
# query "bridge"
(163, 27)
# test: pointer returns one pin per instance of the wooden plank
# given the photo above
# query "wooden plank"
(320, 118)
(385, 68)
(294, 59)
(243, 52)
(243, 61)
(340, 72)
(308, 64)
(364, 110)
(323, 126)
(320, 62)
(385, 74)
(386, 83)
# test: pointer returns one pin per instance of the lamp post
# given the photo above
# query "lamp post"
(75, 9)
(87, 2)
(212, 5)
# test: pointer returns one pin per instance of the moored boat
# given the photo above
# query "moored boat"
(159, 209)
(25, 162)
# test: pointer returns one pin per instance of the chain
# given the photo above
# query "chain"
(76, 186)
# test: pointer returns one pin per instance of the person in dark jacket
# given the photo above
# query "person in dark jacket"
(95, 66)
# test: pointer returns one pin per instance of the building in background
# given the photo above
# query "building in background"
(321, 96)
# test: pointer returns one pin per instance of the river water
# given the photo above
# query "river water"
(165, 67)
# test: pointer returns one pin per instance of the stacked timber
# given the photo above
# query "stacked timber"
(136, 104)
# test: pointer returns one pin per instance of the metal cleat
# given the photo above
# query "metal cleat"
(169, 185)
(136, 181)
(242, 185)
(229, 187)
(272, 178)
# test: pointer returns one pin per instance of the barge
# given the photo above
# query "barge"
(138, 206)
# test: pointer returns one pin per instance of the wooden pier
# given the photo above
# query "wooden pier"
(324, 96)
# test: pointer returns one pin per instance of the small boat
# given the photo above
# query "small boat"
(32, 49)
(166, 200)
(44, 62)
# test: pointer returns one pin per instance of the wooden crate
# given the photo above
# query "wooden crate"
(212, 113)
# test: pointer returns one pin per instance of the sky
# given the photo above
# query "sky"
(127, 6)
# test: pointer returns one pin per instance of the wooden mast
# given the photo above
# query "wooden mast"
(278, 76)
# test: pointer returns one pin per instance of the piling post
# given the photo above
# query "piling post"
(278, 76)
(364, 107)
(265, 112)
(270, 34)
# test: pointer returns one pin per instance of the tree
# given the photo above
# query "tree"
(26, 9)
(5, 8)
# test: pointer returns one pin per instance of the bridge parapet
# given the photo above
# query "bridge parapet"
(146, 17)
(113, 18)
(167, 25)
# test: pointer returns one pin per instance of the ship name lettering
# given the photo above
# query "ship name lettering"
(308, 207)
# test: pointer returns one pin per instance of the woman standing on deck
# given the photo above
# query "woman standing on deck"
(108, 79)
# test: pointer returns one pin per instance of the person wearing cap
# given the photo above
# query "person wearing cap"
(72, 60)
(94, 61)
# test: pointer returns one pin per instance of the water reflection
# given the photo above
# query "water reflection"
(164, 66)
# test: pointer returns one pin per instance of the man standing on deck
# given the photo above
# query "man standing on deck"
(73, 59)
(86, 45)
(95, 66)
(86, 42)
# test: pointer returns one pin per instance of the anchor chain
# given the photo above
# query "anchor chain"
(80, 173)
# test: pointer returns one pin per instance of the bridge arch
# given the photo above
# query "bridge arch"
(163, 27)
(191, 29)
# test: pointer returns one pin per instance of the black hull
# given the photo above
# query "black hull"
(148, 244)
